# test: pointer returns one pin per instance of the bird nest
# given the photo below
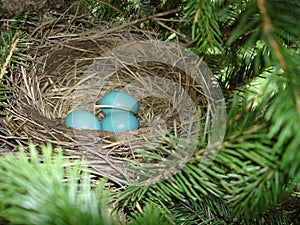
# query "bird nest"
(69, 67)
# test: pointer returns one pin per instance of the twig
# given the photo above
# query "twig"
(166, 13)
(112, 7)
(297, 96)
(114, 29)
(171, 20)
(141, 20)
(168, 28)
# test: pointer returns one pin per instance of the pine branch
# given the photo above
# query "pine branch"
(209, 211)
(151, 215)
(180, 181)
(11, 42)
(267, 29)
(13, 39)
(4, 95)
(247, 172)
(259, 29)
(285, 125)
(258, 159)
(48, 191)
(11, 51)
(205, 27)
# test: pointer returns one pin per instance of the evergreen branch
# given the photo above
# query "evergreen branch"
(48, 189)
(168, 181)
(252, 184)
(34, 192)
(212, 210)
(260, 159)
(205, 27)
(254, 180)
(242, 67)
(209, 211)
(12, 49)
(267, 30)
(287, 131)
(265, 36)
(246, 29)
(151, 215)
(11, 40)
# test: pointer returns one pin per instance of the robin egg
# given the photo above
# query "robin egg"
(120, 122)
(117, 99)
(82, 119)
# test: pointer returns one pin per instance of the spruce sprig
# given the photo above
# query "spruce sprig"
(44, 187)
(49, 190)
(203, 15)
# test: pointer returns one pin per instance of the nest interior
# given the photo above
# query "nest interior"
(58, 76)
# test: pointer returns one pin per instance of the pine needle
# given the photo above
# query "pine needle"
(12, 49)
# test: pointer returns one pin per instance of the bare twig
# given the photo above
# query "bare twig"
(168, 28)
(112, 7)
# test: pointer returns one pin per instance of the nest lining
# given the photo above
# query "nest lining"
(46, 87)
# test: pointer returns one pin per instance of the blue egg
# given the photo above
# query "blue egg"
(82, 119)
(120, 122)
(119, 99)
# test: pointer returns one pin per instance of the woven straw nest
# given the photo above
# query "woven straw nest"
(70, 67)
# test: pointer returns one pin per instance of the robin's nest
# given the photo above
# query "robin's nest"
(69, 67)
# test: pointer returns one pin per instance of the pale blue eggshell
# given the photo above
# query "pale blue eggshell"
(120, 122)
(82, 119)
(120, 99)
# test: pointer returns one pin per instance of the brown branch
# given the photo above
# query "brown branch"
(166, 12)
(112, 7)
(267, 30)
(115, 29)
(132, 23)
(168, 28)
(297, 97)
(172, 20)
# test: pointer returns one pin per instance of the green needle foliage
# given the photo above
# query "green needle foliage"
(205, 27)
(151, 216)
(260, 154)
(47, 190)
(4, 95)
(11, 43)
(254, 177)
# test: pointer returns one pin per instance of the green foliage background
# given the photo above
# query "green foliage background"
(255, 176)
